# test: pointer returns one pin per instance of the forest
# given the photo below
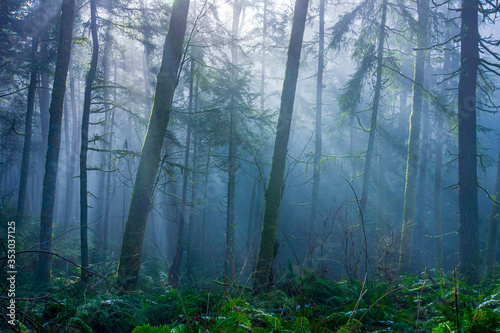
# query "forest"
(249, 166)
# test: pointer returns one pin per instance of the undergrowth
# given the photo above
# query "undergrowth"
(413, 304)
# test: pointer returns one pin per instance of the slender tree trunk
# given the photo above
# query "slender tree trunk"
(205, 205)
(23, 182)
(250, 225)
(44, 95)
(419, 239)
(131, 253)
(69, 165)
(70, 182)
(44, 103)
(67, 150)
(414, 142)
(85, 140)
(175, 269)
(110, 123)
(319, 107)
(492, 241)
(263, 61)
(109, 192)
(438, 221)
(145, 61)
(193, 215)
(381, 194)
(229, 262)
(376, 101)
(54, 139)
(468, 228)
(274, 192)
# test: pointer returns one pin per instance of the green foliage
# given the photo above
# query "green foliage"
(422, 304)
(149, 329)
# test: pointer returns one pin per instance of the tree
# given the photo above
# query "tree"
(492, 240)
(375, 107)
(414, 140)
(319, 107)
(229, 262)
(167, 79)
(85, 139)
(274, 191)
(54, 138)
(23, 182)
(175, 268)
(468, 228)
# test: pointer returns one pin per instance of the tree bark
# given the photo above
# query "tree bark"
(376, 101)
(267, 248)
(54, 139)
(468, 228)
(131, 253)
(405, 250)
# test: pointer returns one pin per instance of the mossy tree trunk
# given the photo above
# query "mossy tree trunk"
(410, 193)
(84, 246)
(274, 189)
(54, 139)
(141, 202)
(468, 228)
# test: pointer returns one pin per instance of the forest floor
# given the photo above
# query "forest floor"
(426, 303)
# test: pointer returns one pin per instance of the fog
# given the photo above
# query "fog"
(224, 75)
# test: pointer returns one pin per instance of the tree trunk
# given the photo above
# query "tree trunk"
(23, 182)
(263, 61)
(492, 242)
(438, 221)
(205, 204)
(419, 240)
(54, 139)
(267, 249)
(250, 225)
(85, 141)
(467, 160)
(175, 269)
(376, 101)
(70, 182)
(405, 250)
(110, 123)
(382, 219)
(146, 67)
(131, 253)
(319, 107)
(229, 262)
(192, 211)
